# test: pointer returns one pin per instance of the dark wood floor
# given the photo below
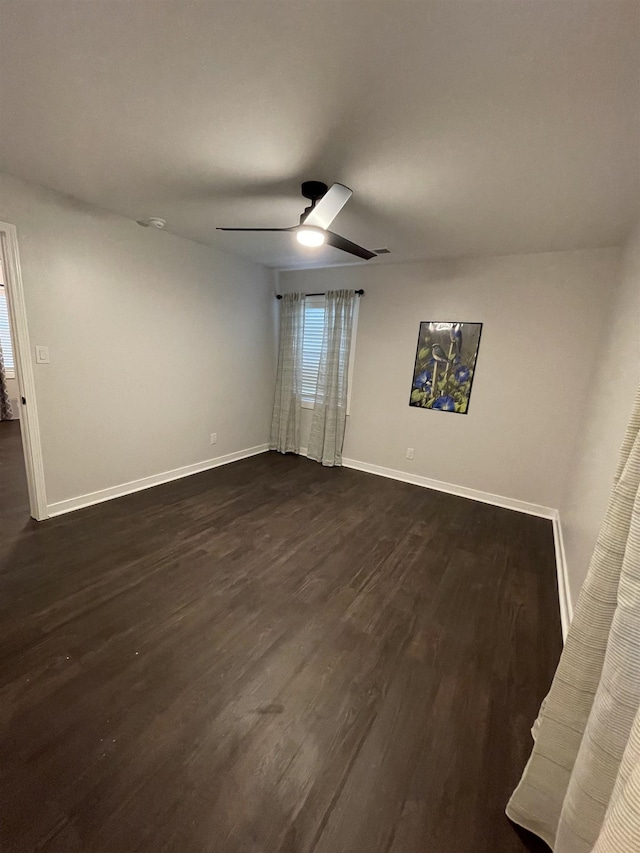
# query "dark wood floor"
(270, 656)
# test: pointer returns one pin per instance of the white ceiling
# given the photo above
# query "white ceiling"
(463, 128)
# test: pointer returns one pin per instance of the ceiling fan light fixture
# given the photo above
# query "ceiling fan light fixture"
(313, 231)
(310, 237)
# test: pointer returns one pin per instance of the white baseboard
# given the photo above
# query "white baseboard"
(566, 610)
(564, 597)
(81, 501)
(451, 489)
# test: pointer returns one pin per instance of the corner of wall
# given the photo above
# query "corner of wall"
(592, 465)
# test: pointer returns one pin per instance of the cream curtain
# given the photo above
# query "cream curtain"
(6, 412)
(330, 409)
(580, 790)
(285, 423)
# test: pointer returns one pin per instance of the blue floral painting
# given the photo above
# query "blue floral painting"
(445, 365)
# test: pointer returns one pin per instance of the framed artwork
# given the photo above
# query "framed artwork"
(445, 365)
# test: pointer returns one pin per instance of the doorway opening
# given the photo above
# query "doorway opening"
(14, 495)
(22, 489)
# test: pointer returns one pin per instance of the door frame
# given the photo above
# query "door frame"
(29, 423)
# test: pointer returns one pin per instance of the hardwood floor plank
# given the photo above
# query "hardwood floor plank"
(271, 656)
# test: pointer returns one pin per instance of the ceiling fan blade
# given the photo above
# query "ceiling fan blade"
(256, 229)
(339, 242)
(328, 207)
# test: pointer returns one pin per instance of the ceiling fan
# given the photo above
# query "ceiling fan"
(326, 204)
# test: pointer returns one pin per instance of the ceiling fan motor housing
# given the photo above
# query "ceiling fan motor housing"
(314, 190)
(325, 205)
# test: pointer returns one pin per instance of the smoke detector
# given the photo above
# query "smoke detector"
(154, 221)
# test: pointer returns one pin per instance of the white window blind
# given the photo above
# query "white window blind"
(312, 345)
(5, 334)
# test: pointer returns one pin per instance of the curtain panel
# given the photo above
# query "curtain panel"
(285, 422)
(580, 790)
(6, 412)
(330, 409)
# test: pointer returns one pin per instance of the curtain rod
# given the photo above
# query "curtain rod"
(357, 293)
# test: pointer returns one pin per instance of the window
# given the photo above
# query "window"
(5, 334)
(312, 345)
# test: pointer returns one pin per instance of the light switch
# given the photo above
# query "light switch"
(42, 355)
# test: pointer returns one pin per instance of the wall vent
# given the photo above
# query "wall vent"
(383, 251)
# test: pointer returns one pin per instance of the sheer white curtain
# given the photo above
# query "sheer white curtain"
(580, 790)
(330, 409)
(285, 423)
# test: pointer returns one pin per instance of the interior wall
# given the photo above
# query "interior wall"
(612, 389)
(155, 342)
(542, 314)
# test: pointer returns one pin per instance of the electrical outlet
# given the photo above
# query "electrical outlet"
(214, 437)
(409, 452)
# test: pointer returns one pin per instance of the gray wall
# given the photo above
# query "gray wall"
(542, 314)
(611, 391)
(155, 343)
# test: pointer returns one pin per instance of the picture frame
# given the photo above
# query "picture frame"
(445, 365)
